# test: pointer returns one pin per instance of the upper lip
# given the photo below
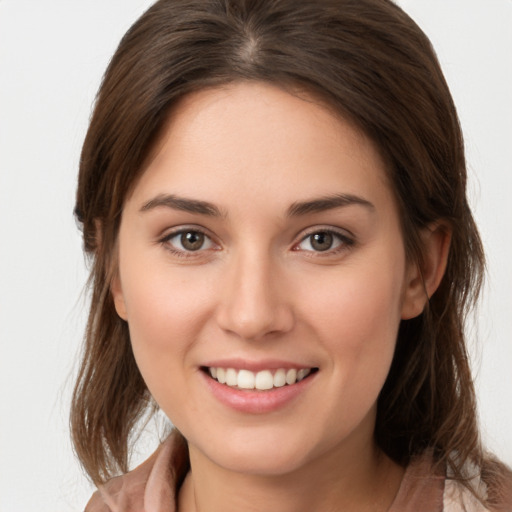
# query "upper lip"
(255, 366)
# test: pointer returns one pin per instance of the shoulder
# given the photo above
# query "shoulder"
(97, 504)
(458, 498)
(150, 486)
(495, 487)
(426, 486)
(123, 493)
(421, 488)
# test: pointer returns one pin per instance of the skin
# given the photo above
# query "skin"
(258, 290)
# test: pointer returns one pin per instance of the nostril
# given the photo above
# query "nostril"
(253, 322)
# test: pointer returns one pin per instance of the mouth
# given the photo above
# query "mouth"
(263, 380)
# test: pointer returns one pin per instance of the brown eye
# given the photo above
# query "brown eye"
(187, 241)
(322, 241)
(192, 240)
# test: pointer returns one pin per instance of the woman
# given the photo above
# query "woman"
(273, 196)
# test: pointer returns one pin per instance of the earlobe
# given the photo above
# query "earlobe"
(117, 294)
(423, 278)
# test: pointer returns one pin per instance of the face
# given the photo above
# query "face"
(263, 277)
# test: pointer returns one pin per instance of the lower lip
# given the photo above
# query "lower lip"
(257, 402)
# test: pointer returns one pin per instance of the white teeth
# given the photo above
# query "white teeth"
(262, 380)
(291, 376)
(246, 379)
(221, 375)
(279, 378)
(231, 377)
(301, 374)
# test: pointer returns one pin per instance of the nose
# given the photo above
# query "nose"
(254, 301)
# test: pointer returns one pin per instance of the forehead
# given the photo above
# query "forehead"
(253, 135)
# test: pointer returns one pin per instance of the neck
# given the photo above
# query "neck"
(333, 482)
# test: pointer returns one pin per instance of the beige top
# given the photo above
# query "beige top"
(152, 487)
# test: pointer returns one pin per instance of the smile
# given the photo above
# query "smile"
(262, 380)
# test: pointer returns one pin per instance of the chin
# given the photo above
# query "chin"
(267, 462)
(272, 454)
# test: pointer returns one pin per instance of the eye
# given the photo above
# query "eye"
(188, 240)
(323, 241)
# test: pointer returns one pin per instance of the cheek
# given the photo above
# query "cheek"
(163, 307)
(161, 300)
(162, 319)
(356, 314)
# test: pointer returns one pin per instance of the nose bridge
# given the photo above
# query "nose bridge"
(254, 299)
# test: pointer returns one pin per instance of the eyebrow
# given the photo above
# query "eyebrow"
(295, 210)
(327, 203)
(183, 204)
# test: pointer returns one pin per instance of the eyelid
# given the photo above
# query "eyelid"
(347, 239)
(179, 230)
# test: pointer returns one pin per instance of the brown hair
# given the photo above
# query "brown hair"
(370, 63)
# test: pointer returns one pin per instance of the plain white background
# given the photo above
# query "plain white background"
(52, 56)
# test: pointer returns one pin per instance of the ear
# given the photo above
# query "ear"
(115, 284)
(117, 294)
(422, 279)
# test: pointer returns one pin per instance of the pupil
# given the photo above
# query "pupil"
(321, 241)
(192, 240)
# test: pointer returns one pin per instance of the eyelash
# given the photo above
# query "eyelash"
(345, 242)
(183, 253)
